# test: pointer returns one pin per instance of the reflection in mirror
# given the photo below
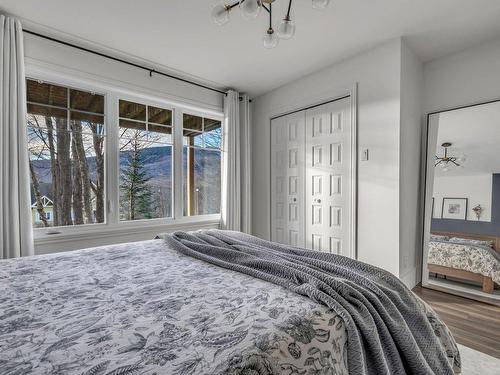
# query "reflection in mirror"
(462, 205)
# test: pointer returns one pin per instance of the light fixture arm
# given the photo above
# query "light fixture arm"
(229, 7)
(270, 16)
(288, 11)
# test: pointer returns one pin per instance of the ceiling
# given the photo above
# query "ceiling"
(475, 133)
(179, 34)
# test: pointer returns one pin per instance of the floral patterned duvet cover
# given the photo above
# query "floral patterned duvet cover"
(465, 257)
(140, 308)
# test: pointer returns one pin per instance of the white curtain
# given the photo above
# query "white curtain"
(235, 205)
(246, 164)
(16, 237)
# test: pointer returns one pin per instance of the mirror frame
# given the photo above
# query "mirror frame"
(427, 207)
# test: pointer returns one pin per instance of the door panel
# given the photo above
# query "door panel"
(328, 177)
(287, 178)
(278, 178)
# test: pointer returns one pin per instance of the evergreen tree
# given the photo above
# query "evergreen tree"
(134, 187)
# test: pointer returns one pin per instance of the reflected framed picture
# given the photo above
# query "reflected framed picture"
(454, 208)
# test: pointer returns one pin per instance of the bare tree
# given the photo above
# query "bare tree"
(38, 197)
(78, 171)
(64, 181)
(98, 186)
(81, 168)
(37, 148)
(54, 167)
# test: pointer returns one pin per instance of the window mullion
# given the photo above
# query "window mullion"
(178, 173)
(112, 160)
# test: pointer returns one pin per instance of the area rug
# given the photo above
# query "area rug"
(477, 363)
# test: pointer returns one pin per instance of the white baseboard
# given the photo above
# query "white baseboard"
(410, 277)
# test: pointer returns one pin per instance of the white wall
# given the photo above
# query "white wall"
(47, 245)
(378, 73)
(477, 188)
(410, 227)
(42, 53)
(463, 78)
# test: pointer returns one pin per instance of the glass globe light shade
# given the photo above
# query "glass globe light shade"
(462, 158)
(445, 169)
(320, 4)
(220, 14)
(270, 39)
(286, 29)
(250, 8)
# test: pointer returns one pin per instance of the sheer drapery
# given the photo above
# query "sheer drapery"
(246, 166)
(16, 236)
(235, 207)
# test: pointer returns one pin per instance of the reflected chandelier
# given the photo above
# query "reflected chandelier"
(251, 9)
(446, 161)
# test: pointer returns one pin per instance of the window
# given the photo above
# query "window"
(145, 161)
(202, 141)
(118, 161)
(66, 142)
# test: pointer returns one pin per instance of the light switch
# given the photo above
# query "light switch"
(364, 154)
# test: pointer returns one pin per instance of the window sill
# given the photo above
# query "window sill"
(139, 228)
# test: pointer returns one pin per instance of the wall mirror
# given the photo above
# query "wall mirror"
(461, 236)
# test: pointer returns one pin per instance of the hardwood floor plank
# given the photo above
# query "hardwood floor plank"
(473, 324)
(486, 331)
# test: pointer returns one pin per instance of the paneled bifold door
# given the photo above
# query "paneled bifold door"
(311, 178)
(288, 149)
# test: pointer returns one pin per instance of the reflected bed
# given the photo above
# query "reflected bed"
(468, 257)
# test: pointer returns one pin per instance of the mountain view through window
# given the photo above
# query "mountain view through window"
(66, 142)
(201, 165)
(145, 161)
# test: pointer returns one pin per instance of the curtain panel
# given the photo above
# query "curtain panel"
(16, 235)
(236, 184)
(246, 164)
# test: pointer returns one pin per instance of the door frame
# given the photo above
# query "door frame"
(352, 93)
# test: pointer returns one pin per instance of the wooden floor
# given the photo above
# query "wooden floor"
(473, 324)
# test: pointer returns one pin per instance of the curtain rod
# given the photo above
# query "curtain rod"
(151, 71)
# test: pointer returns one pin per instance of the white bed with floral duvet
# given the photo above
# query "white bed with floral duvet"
(141, 308)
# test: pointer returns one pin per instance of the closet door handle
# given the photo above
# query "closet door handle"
(295, 199)
(317, 200)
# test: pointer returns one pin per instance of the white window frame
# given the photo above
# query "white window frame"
(112, 225)
(221, 150)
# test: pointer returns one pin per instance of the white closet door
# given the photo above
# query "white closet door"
(278, 177)
(287, 179)
(328, 178)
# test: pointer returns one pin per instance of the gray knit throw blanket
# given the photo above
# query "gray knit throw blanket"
(387, 330)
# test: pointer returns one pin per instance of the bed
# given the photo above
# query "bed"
(467, 257)
(142, 308)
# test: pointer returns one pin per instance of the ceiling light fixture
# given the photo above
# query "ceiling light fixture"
(251, 9)
(446, 161)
